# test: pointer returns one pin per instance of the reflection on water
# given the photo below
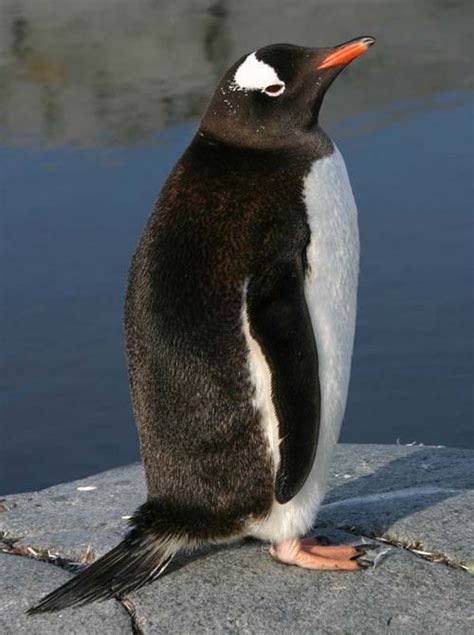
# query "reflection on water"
(113, 72)
(99, 99)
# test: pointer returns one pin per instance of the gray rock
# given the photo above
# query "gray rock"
(240, 589)
(68, 520)
(412, 496)
(402, 493)
(23, 580)
(417, 496)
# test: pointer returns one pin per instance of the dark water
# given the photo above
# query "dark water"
(98, 106)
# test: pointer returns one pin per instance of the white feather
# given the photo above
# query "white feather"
(253, 74)
(261, 378)
(331, 295)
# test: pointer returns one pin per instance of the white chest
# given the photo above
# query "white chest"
(331, 296)
(333, 259)
(331, 292)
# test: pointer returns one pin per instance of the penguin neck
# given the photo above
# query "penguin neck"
(313, 141)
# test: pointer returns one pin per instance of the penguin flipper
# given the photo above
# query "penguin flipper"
(279, 320)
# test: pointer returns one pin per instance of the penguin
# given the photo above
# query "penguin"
(239, 320)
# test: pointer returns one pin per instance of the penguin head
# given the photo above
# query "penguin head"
(273, 95)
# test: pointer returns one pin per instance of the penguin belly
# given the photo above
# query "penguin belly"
(331, 296)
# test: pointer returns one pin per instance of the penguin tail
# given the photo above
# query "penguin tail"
(140, 558)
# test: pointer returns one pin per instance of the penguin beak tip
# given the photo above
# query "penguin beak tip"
(345, 53)
(368, 40)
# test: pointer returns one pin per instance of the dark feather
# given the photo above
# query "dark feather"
(138, 559)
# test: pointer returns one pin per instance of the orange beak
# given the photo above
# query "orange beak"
(347, 52)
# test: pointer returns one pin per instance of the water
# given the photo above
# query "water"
(96, 106)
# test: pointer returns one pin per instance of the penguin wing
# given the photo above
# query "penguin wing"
(279, 320)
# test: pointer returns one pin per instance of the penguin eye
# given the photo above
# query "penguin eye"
(274, 90)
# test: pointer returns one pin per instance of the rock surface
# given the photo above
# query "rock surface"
(419, 499)
(21, 581)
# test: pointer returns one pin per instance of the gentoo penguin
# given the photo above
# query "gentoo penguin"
(239, 320)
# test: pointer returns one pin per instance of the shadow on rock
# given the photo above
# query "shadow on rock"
(378, 493)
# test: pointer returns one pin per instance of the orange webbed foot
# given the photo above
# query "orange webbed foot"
(308, 554)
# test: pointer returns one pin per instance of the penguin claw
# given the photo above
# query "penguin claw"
(363, 563)
(372, 555)
(360, 552)
(368, 546)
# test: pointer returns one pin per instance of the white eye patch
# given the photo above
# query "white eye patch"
(253, 74)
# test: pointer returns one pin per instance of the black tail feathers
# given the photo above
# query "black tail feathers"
(138, 559)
